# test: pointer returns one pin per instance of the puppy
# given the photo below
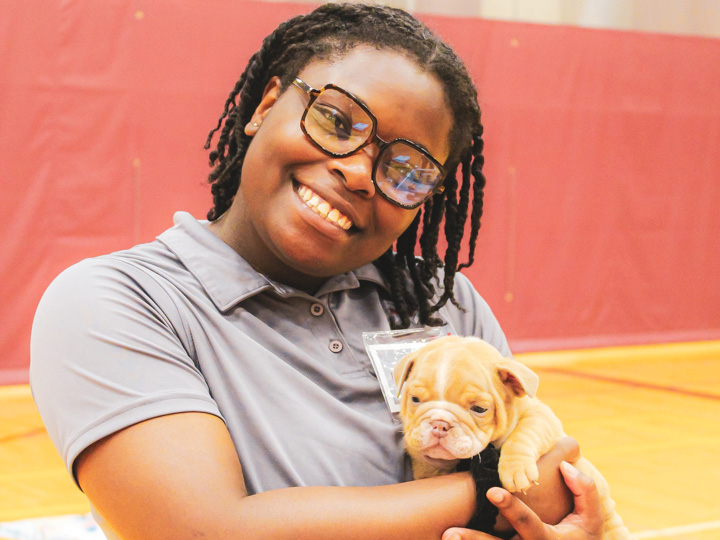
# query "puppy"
(460, 394)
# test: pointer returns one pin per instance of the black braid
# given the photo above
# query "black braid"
(329, 32)
(478, 187)
(406, 253)
(455, 218)
(434, 211)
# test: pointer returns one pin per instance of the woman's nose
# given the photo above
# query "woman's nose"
(356, 170)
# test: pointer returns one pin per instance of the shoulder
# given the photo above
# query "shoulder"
(91, 281)
(100, 299)
(109, 278)
(107, 352)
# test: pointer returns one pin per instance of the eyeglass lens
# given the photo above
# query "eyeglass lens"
(340, 125)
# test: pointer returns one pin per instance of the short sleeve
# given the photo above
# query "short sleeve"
(105, 355)
(476, 318)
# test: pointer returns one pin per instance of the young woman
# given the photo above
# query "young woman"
(214, 383)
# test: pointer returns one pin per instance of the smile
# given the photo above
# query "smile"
(321, 207)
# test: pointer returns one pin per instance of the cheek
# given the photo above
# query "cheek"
(279, 141)
(393, 220)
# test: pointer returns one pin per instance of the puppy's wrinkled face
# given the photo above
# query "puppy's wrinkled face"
(454, 394)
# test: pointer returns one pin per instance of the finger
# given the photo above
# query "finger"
(457, 533)
(525, 522)
(588, 506)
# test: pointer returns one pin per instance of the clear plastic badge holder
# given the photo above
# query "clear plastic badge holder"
(385, 350)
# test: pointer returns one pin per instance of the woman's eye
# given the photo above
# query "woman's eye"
(477, 409)
(335, 120)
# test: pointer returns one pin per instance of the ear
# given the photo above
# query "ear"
(270, 96)
(520, 378)
(402, 371)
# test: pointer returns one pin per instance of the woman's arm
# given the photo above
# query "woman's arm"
(178, 477)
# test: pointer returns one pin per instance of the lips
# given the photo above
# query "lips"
(323, 208)
(440, 455)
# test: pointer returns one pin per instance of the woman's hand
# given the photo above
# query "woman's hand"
(584, 523)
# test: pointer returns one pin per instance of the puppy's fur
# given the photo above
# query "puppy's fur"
(460, 394)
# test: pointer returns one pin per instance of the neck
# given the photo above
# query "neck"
(262, 260)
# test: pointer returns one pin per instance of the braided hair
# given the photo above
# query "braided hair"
(329, 32)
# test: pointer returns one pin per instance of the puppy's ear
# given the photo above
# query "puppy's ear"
(520, 378)
(402, 371)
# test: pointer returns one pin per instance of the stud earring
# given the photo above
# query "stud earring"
(255, 124)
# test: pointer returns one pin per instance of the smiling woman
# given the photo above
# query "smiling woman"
(280, 233)
(214, 382)
(414, 54)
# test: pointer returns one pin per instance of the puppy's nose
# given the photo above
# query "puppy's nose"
(440, 428)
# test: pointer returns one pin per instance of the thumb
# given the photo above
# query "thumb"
(588, 507)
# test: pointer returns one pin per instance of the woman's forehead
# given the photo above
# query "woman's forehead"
(408, 101)
(364, 69)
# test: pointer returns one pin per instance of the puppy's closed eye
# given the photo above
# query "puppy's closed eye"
(477, 409)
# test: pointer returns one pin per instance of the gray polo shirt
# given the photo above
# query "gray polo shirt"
(185, 324)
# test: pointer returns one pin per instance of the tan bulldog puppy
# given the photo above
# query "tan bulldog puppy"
(460, 394)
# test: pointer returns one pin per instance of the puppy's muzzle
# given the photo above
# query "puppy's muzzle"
(440, 428)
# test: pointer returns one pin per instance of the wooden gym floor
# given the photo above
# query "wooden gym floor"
(647, 417)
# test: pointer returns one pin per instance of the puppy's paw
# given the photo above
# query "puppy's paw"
(517, 473)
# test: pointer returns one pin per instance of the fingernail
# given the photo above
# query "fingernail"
(569, 469)
(495, 495)
(452, 536)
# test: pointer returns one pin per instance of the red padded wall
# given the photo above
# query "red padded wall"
(603, 167)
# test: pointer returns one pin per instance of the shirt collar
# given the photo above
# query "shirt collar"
(228, 278)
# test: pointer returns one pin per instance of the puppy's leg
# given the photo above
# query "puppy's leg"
(536, 432)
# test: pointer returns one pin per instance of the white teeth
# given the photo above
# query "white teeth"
(323, 208)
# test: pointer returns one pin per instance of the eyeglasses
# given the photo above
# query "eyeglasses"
(340, 124)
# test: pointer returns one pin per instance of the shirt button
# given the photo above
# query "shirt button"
(336, 346)
(317, 310)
